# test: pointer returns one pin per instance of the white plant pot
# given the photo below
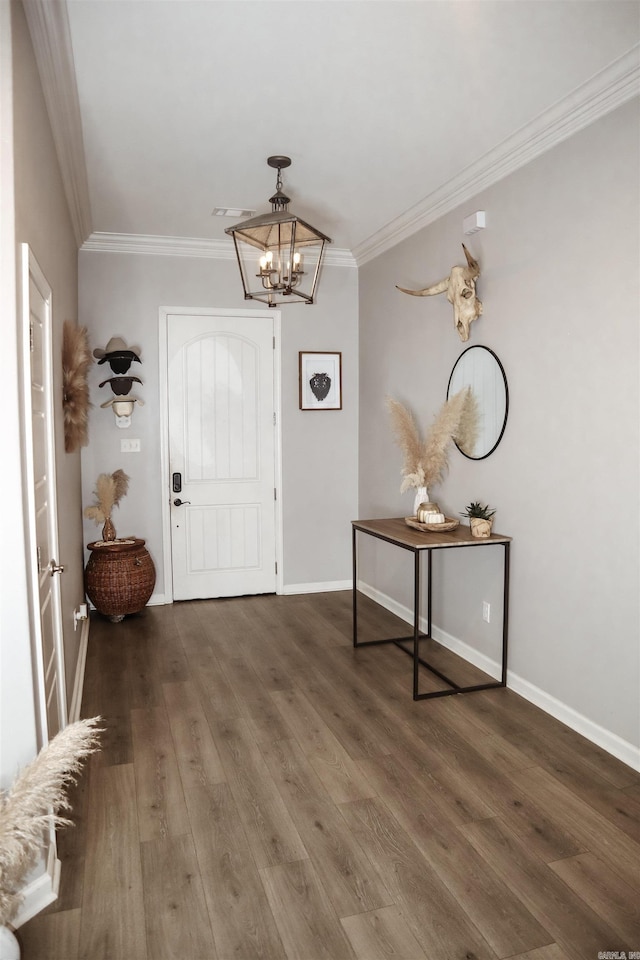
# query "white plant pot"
(9, 946)
(421, 496)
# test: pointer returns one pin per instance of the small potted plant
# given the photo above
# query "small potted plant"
(480, 519)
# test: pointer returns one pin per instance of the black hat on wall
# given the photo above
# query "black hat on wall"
(118, 355)
(121, 385)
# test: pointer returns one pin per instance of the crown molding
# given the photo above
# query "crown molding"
(602, 93)
(49, 28)
(187, 247)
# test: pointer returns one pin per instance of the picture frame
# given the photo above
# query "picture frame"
(320, 380)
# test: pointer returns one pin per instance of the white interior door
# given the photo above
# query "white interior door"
(222, 455)
(45, 569)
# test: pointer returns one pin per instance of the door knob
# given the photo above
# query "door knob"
(178, 502)
(55, 567)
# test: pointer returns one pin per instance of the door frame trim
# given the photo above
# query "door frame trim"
(163, 383)
(30, 270)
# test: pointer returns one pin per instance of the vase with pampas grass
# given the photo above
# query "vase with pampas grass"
(110, 489)
(426, 461)
(30, 807)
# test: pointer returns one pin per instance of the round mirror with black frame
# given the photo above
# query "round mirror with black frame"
(479, 368)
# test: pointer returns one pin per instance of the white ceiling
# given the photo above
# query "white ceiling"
(390, 109)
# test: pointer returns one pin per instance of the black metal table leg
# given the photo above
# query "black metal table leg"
(416, 622)
(505, 612)
(355, 586)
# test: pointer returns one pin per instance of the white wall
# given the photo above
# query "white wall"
(120, 295)
(559, 282)
(33, 204)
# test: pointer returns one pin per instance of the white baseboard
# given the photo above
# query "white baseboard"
(158, 599)
(40, 892)
(611, 742)
(621, 749)
(324, 587)
(78, 683)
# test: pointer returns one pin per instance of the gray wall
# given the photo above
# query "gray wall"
(559, 282)
(120, 295)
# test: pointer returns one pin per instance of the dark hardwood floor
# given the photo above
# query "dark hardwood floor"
(265, 791)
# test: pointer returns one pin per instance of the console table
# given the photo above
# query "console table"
(396, 532)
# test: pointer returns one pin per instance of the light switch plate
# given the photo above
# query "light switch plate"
(129, 446)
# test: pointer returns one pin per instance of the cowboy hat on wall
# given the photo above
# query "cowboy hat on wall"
(118, 355)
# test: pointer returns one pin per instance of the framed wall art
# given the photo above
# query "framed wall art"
(320, 379)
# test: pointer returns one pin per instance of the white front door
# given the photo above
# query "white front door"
(45, 568)
(222, 454)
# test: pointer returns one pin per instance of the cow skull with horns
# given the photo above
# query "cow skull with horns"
(460, 287)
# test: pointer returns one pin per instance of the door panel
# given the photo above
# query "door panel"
(43, 524)
(222, 442)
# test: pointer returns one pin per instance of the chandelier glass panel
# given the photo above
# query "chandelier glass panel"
(279, 255)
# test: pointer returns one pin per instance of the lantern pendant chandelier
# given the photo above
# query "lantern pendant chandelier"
(291, 251)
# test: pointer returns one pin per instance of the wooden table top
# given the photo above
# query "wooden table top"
(395, 530)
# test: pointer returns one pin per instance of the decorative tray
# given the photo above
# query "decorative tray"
(449, 524)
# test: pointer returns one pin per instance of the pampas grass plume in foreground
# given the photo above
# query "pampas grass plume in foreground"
(32, 803)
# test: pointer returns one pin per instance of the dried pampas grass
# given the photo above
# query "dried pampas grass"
(110, 489)
(426, 462)
(32, 804)
(76, 360)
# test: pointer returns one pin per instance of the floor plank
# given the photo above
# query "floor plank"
(270, 830)
(194, 746)
(592, 831)
(579, 931)
(605, 892)
(347, 875)
(160, 800)
(339, 774)
(51, 936)
(437, 921)
(242, 922)
(382, 935)
(308, 926)
(113, 903)
(177, 921)
(495, 910)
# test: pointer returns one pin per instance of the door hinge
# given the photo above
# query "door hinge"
(39, 559)
(276, 566)
(274, 418)
(31, 336)
(274, 343)
(275, 493)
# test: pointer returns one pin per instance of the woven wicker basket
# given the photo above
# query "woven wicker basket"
(119, 577)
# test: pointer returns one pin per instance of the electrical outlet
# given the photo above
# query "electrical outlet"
(80, 613)
(486, 611)
(129, 446)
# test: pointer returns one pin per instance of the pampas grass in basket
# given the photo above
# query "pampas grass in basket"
(32, 805)
(426, 461)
